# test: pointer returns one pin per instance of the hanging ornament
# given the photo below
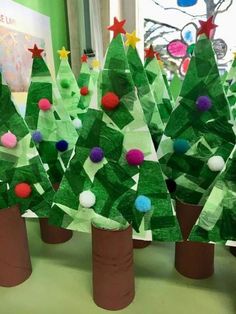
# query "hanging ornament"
(37, 136)
(23, 190)
(62, 145)
(203, 103)
(110, 101)
(143, 204)
(44, 104)
(8, 140)
(96, 154)
(135, 157)
(87, 199)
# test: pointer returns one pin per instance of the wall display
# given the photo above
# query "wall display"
(17, 33)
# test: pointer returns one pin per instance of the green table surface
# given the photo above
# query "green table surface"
(61, 282)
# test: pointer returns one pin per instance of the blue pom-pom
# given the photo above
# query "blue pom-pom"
(37, 137)
(62, 145)
(143, 204)
(181, 146)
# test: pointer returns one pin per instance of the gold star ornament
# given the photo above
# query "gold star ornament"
(95, 64)
(131, 39)
(63, 53)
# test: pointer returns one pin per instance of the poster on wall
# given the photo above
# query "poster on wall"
(20, 29)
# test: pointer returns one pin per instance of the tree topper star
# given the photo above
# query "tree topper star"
(117, 27)
(63, 53)
(131, 39)
(36, 52)
(207, 27)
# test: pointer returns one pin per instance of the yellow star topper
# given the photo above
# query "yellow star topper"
(234, 53)
(131, 39)
(95, 63)
(63, 53)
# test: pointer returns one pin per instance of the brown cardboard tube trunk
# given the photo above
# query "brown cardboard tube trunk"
(192, 259)
(113, 273)
(15, 264)
(52, 234)
(140, 244)
(232, 250)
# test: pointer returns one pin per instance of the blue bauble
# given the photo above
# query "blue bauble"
(186, 3)
(181, 146)
(143, 204)
(62, 145)
(37, 136)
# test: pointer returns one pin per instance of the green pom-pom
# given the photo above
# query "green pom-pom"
(65, 83)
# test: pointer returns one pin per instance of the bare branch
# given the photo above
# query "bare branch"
(163, 24)
(177, 9)
(225, 9)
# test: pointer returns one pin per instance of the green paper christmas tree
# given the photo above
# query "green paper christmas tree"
(145, 95)
(160, 92)
(23, 178)
(230, 88)
(51, 126)
(217, 222)
(114, 176)
(76, 99)
(198, 138)
(175, 86)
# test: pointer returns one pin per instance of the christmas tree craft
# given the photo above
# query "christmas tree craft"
(23, 178)
(198, 138)
(75, 99)
(51, 127)
(175, 86)
(230, 88)
(158, 85)
(145, 95)
(114, 173)
(217, 222)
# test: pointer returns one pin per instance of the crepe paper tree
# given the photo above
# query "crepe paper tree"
(175, 86)
(198, 138)
(217, 221)
(158, 85)
(23, 178)
(51, 127)
(146, 97)
(75, 100)
(230, 88)
(114, 175)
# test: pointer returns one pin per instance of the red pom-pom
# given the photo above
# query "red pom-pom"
(44, 104)
(110, 101)
(84, 90)
(23, 190)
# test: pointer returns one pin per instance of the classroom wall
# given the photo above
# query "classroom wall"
(56, 10)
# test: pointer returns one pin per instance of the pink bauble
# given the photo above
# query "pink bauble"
(135, 157)
(8, 140)
(44, 104)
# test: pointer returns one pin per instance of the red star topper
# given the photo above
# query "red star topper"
(117, 27)
(36, 52)
(149, 52)
(84, 58)
(207, 27)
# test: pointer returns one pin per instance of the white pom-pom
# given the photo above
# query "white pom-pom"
(77, 123)
(216, 163)
(87, 199)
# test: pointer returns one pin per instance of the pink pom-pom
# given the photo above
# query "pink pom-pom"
(135, 157)
(9, 140)
(44, 104)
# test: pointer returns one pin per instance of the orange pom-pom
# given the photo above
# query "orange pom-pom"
(23, 190)
(84, 90)
(110, 101)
